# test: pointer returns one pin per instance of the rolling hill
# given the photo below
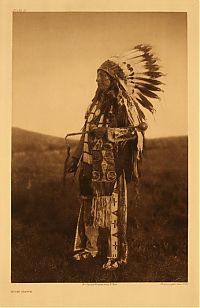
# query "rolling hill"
(44, 214)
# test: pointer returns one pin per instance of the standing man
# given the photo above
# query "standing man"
(110, 151)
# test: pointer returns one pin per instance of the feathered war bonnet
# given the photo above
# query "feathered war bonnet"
(137, 74)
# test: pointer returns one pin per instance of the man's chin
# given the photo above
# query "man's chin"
(102, 89)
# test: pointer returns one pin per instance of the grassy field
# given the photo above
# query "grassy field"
(44, 215)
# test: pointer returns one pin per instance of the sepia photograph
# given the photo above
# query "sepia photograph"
(99, 174)
(99, 153)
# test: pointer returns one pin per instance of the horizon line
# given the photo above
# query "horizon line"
(56, 136)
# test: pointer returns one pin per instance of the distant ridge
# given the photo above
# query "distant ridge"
(21, 131)
(24, 140)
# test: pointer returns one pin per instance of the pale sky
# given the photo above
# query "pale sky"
(56, 56)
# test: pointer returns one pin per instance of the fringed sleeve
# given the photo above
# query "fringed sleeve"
(127, 150)
(78, 151)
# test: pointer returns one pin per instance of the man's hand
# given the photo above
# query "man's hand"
(99, 131)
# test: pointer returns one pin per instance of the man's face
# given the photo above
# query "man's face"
(103, 80)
